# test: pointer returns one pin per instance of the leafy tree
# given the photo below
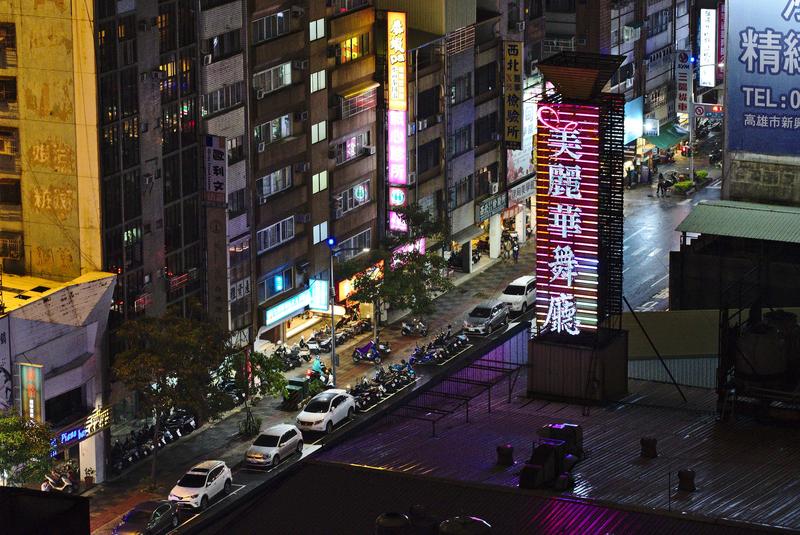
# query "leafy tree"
(24, 449)
(168, 361)
(411, 279)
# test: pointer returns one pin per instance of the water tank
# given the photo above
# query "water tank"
(762, 353)
(392, 524)
(464, 525)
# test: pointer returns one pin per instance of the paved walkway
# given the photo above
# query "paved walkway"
(220, 440)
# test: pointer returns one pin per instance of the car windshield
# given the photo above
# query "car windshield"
(512, 289)
(317, 405)
(138, 516)
(266, 441)
(480, 312)
(192, 481)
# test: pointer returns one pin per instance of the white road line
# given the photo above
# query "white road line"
(686, 201)
(625, 247)
(654, 252)
(634, 234)
(626, 269)
(639, 250)
(647, 306)
(659, 280)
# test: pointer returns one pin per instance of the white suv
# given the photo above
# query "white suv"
(325, 410)
(202, 483)
(520, 294)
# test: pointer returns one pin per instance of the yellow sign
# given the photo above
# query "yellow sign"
(513, 60)
(397, 60)
(347, 286)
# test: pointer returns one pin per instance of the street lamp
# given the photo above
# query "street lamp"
(331, 242)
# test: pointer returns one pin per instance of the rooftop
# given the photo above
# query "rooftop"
(21, 290)
(744, 220)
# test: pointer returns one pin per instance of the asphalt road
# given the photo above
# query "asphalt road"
(650, 233)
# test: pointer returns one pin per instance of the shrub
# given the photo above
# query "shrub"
(701, 176)
(683, 187)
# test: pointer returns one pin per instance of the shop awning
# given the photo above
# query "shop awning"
(467, 234)
(744, 220)
(358, 88)
(670, 136)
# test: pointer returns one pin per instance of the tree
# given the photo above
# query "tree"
(255, 373)
(411, 279)
(169, 362)
(24, 449)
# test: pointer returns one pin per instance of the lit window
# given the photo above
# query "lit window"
(318, 132)
(271, 26)
(316, 29)
(320, 232)
(270, 80)
(319, 182)
(317, 81)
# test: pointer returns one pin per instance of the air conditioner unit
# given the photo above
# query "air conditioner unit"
(301, 116)
(301, 167)
(260, 93)
(422, 124)
(521, 26)
(368, 150)
(494, 187)
(262, 147)
(207, 59)
(495, 136)
(297, 11)
(301, 64)
(303, 218)
(411, 129)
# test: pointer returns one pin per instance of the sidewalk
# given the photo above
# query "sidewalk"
(220, 440)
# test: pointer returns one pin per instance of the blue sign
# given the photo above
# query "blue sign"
(762, 68)
(319, 294)
(314, 297)
(634, 119)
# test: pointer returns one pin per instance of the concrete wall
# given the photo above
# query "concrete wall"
(766, 179)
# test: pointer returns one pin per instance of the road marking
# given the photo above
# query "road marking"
(625, 247)
(663, 294)
(634, 234)
(626, 269)
(686, 201)
(659, 280)
(639, 250)
(654, 252)
(647, 306)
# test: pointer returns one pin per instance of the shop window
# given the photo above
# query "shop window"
(352, 48)
(316, 29)
(275, 235)
(275, 283)
(271, 26)
(273, 183)
(460, 193)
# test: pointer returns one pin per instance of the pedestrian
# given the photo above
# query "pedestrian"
(661, 189)
(515, 252)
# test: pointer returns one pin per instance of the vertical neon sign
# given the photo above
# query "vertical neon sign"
(396, 151)
(567, 182)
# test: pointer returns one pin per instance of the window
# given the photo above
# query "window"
(353, 48)
(272, 79)
(319, 182)
(320, 232)
(485, 129)
(461, 89)
(221, 99)
(356, 244)
(316, 29)
(429, 155)
(273, 183)
(358, 103)
(428, 103)
(485, 78)
(659, 22)
(342, 6)
(274, 235)
(460, 193)
(351, 148)
(271, 26)
(224, 45)
(235, 148)
(319, 132)
(461, 141)
(237, 203)
(317, 80)
(8, 90)
(10, 192)
(352, 198)
(275, 283)
(273, 130)
(485, 176)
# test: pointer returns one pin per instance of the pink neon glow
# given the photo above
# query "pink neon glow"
(396, 222)
(396, 149)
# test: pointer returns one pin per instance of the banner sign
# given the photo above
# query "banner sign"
(567, 183)
(397, 136)
(513, 60)
(216, 163)
(521, 192)
(683, 75)
(491, 206)
(762, 68)
(98, 420)
(31, 395)
(708, 47)
(721, 39)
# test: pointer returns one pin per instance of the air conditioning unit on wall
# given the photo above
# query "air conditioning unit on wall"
(494, 187)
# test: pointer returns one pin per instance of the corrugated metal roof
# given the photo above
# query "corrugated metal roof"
(744, 220)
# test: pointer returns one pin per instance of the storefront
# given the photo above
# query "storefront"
(346, 287)
(81, 435)
(521, 207)
(296, 314)
(488, 214)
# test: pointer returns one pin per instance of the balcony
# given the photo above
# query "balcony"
(280, 47)
(356, 168)
(355, 123)
(290, 251)
(346, 10)
(555, 44)
(355, 219)
(273, 104)
(289, 202)
(351, 71)
(281, 151)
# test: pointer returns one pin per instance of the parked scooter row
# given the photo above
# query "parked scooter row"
(368, 392)
(293, 357)
(443, 346)
(346, 328)
(372, 351)
(142, 443)
(64, 478)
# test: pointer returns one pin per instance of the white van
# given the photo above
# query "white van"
(520, 294)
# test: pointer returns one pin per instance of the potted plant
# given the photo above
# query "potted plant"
(88, 476)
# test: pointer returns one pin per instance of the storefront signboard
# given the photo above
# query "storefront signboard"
(216, 164)
(346, 286)
(521, 192)
(721, 39)
(491, 206)
(567, 218)
(397, 119)
(314, 297)
(31, 395)
(708, 47)
(521, 163)
(683, 74)
(319, 294)
(762, 67)
(634, 120)
(651, 127)
(97, 421)
(513, 61)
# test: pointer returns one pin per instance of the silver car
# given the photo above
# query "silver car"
(276, 443)
(486, 317)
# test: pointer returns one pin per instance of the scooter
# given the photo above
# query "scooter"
(368, 352)
(60, 483)
(415, 327)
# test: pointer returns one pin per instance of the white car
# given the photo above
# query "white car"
(325, 410)
(276, 443)
(201, 484)
(520, 294)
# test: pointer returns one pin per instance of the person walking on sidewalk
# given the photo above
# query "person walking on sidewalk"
(515, 251)
(660, 188)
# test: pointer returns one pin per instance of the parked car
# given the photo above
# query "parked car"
(273, 444)
(150, 518)
(520, 294)
(486, 317)
(326, 410)
(201, 484)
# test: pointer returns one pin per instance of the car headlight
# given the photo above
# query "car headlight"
(193, 496)
(317, 422)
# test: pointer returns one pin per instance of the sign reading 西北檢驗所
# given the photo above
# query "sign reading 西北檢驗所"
(567, 204)
(513, 61)
(762, 66)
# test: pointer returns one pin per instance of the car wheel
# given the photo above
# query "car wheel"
(377, 360)
(204, 503)
(350, 412)
(300, 447)
(174, 521)
(524, 308)
(227, 488)
(276, 461)
(329, 427)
